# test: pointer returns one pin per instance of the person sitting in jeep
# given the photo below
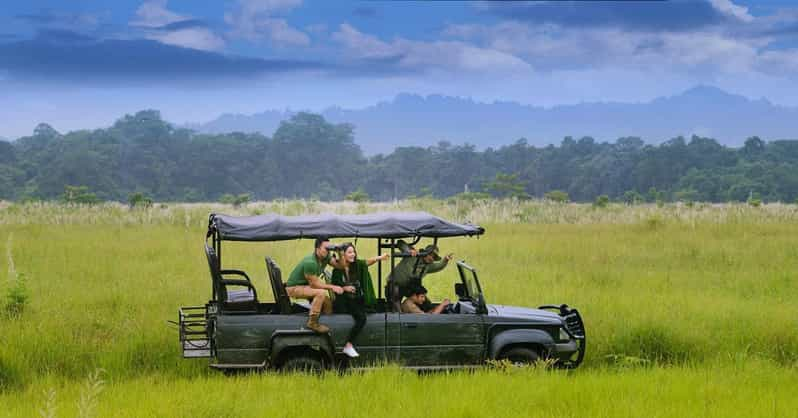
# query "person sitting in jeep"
(407, 275)
(305, 283)
(418, 297)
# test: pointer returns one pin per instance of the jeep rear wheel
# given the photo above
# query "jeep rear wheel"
(520, 356)
(302, 363)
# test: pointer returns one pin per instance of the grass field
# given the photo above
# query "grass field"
(690, 311)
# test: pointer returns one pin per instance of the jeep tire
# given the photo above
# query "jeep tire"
(302, 363)
(520, 356)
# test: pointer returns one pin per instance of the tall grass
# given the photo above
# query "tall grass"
(195, 215)
(683, 306)
(752, 389)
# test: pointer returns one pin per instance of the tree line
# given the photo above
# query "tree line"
(143, 156)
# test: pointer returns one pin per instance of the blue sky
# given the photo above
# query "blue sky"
(82, 64)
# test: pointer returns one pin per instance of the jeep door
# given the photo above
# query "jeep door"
(440, 340)
(370, 344)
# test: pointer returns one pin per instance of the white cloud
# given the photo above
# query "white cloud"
(731, 9)
(437, 55)
(254, 20)
(555, 48)
(153, 18)
(153, 13)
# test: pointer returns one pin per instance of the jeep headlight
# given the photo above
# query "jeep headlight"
(564, 336)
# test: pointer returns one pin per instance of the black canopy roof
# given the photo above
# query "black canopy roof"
(274, 227)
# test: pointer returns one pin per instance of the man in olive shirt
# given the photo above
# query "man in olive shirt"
(417, 299)
(409, 272)
(305, 283)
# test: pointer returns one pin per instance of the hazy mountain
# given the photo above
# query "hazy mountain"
(417, 120)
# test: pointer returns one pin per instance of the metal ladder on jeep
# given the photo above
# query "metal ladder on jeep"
(195, 332)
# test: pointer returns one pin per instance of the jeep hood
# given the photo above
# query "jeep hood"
(525, 314)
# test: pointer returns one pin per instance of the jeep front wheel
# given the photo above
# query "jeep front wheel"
(520, 356)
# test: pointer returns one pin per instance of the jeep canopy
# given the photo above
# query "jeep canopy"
(274, 227)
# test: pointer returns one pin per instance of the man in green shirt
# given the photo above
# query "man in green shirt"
(409, 272)
(305, 282)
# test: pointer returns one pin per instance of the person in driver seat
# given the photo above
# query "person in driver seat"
(417, 298)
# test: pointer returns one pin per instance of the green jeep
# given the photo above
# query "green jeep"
(237, 330)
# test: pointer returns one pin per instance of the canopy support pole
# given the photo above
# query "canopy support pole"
(379, 270)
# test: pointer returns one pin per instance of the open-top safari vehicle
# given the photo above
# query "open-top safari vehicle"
(239, 330)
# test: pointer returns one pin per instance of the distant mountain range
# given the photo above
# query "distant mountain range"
(418, 120)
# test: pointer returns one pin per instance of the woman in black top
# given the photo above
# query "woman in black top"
(353, 276)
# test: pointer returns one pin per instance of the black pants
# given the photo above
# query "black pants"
(354, 307)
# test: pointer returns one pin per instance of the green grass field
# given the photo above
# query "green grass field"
(689, 312)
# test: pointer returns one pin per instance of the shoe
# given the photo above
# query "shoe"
(350, 351)
(314, 325)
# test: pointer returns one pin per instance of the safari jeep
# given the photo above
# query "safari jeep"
(238, 329)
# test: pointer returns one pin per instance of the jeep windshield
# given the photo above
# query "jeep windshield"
(473, 291)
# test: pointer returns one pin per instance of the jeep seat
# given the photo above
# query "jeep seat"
(235, 299)
(278, 287)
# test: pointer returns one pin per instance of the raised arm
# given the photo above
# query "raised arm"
(373, 260)
(439, 265)
(404, 248)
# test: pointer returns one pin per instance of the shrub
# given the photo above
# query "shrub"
(359, 196)
(558, 196)
(78, 194)
(139, 200)
(17, 297)
(601, 201)
(236, 201)
(632, 197)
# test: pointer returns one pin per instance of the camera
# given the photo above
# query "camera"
(335, 247)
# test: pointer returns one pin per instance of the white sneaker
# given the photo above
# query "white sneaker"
(350, 351)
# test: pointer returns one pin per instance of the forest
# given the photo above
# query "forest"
(308, 157)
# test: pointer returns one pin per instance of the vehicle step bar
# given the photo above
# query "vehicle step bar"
(195, 332)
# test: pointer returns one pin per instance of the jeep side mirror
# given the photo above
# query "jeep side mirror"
(460, 290)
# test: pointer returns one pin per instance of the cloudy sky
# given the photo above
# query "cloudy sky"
(85, 63)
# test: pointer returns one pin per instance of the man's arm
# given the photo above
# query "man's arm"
(317, 283)
(439, 265)
(404, 248)
(441, 306)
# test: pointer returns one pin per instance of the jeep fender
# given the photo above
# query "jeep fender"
(283, 341)
(520, 336)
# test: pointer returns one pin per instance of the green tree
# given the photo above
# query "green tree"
(507, 185)
(78, 194)
(601, 201)
(358, 196)
(139, 199)
(235, 200)
(558, 196)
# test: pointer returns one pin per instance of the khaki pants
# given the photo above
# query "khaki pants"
(319, 299)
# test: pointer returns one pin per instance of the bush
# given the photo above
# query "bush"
(601, 201)
(632, 197)
(558, 196)
(236, 201)
(139, 200)
(78, 194)
(17, 297)
(359, 196)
